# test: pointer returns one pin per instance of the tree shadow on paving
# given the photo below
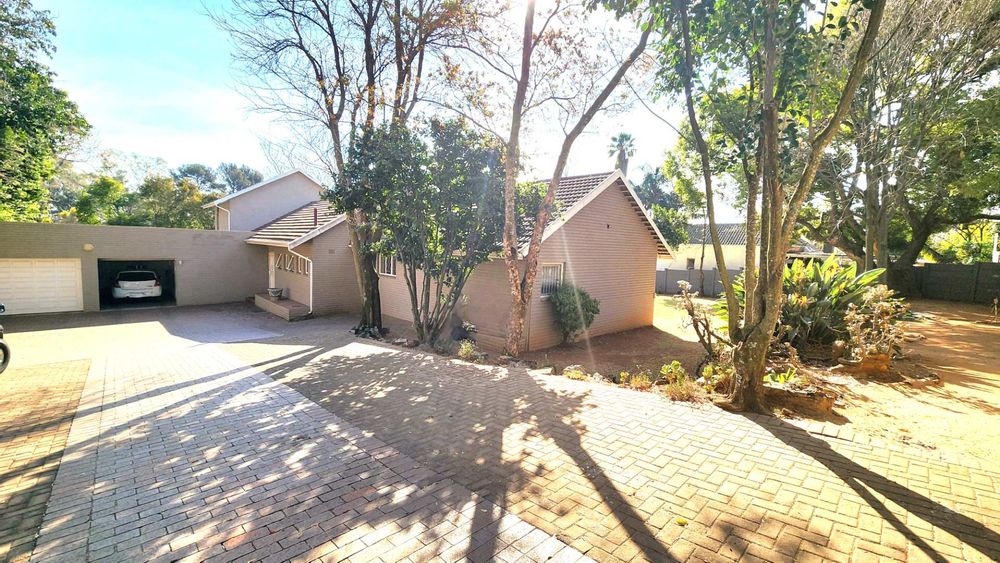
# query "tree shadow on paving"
(259, 481)
(466, 423)
(864, 482)
(34, 426)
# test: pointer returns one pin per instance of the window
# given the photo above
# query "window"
(387, 265)
(690, 263)
(550, 276)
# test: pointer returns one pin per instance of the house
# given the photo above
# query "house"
(601, 240)
(281, 235)
(249, 208)
(688, 256)
(687, 265)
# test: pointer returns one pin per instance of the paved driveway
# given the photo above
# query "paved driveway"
(230, 435)
(180, 451)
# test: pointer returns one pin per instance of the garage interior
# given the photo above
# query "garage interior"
(107, 270)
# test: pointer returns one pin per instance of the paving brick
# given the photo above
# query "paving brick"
(362, 450)
(243, 467)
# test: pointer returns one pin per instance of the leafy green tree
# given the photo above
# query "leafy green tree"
(965, 244)
(672, 223)
(101, 201)
(622, 148)
(238, 176)
(38, 122)
(438, 204)
(768, 57)
(161, 201)
(665, 207)
(198, 174)
(918, 153)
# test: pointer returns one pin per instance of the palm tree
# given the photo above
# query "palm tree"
(622, 147)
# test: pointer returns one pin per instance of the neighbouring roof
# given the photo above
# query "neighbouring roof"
(574, 193)
(261, 185)
(729, 233)
(299, 226)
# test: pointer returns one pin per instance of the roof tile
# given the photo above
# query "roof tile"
(295, 225)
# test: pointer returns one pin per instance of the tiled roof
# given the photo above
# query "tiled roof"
(297, 224)
(571, 189)
(729, 233)
(574, 189)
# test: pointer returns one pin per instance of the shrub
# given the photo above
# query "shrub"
(673, 372)
(575, 372)
(818, 296)
(467, 350)
(873, 326)
(683, 390)
(787, 376)
(700, 318)
(574, 310)
(641, 380)
(718, 377)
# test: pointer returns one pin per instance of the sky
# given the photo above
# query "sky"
(156, 78)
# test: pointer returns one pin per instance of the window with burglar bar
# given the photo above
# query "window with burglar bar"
(550, 276)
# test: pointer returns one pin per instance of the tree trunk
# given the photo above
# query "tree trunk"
(901, 274)
(522, 287)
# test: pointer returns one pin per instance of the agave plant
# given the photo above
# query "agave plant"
(817, 296)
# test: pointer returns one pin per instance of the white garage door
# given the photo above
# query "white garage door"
(41, 286)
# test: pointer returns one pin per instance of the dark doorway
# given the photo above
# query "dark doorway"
(107, 274)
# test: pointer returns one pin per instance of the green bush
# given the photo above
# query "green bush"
(817, 297)
(673, 372)
(467, 350)
(574, 309)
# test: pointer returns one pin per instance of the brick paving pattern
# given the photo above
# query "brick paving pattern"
(36, 408)
(196, 456)
(624, 476)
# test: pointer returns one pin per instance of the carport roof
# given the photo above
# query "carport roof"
(299, 226)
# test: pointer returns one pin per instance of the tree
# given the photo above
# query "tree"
(780, 58)
(198, 174)
(438, 205)
(160, 201)
(100, 202)
(672, 223)
(622, 148)
(333, 70)
(238, 176)
(504, 72)
(965, 244)
(665, 207)
(930, 71)
(38, 122)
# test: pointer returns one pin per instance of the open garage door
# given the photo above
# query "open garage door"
(41, 286)
(108, 275)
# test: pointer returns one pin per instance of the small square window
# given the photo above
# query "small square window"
(387, 265)
(690, 263)
(550, 277)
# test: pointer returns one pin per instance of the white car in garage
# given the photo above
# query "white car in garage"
(136, 284)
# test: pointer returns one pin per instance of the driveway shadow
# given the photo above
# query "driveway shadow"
(867, 483)
(495, 430)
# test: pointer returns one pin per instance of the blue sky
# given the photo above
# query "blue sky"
(155, 77)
